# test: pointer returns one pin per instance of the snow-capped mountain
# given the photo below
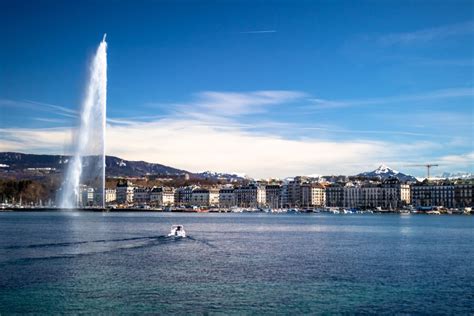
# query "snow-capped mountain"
(385, 172)
(456, 175)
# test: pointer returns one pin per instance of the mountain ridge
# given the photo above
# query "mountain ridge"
(115, 166)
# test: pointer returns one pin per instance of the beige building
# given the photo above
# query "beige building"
(395, 194)
(313, 194)
(162, 196)
(110, 195)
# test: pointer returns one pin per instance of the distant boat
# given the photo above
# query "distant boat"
(177, 231)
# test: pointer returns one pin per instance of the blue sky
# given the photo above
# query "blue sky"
(262, 88)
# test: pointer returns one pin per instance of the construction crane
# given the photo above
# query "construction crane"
(428, 167)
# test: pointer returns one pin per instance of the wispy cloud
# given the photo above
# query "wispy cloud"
(40, 106)
(428, 34)
(427, 96)
(214, 104)
(258, 32)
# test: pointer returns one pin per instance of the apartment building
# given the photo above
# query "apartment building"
(252, 195)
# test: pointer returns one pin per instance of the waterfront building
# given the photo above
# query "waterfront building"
(294, 191)
(464, 193)
(205, 197)
(141, 195)
(110, 195)
(284, 195)
(273, 195)
(433, 193)
(335, 195)
(162, 196)
(213, 197)
(352, 195)
(125, 192)
(313, 194)
(183, 195)
(396, 194)
(86, 198)
(252, 195)
(389, 194)
(226, 197)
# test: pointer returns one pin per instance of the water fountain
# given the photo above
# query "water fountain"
(86, 168)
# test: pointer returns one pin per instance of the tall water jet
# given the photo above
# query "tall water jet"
(85, 175)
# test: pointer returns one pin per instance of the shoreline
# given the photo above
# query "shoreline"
(182, 210)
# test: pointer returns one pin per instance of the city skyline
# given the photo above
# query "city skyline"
(247, 87)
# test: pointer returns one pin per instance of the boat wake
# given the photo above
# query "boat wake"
(74, 243)
(47, 251)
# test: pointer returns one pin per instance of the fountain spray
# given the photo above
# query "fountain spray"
(87, 166)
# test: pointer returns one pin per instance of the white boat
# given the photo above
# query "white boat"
(177, 231)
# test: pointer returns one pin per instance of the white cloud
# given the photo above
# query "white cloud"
(48, 140)
(197, 147)
(466, 159)
(207, 134)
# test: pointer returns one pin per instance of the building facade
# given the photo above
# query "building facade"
(273, 196)
(162, 196)
(110, 195)
(464, 193)
(432, 193)
(313, 195)
(125, 192)
(251, 195)
(226, 198)
(141, 195)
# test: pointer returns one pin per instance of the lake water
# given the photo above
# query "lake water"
(236, 263)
